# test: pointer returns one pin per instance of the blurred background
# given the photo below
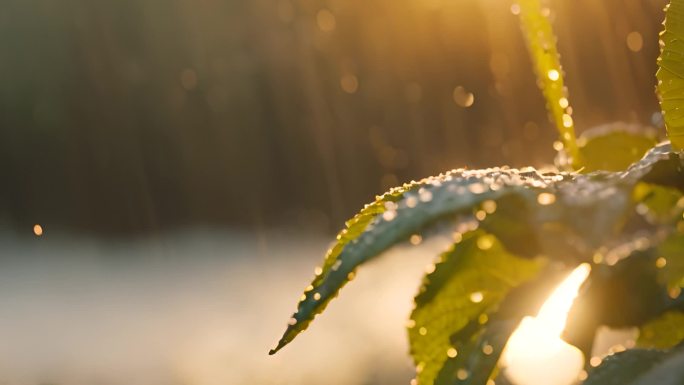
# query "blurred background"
(173, 170)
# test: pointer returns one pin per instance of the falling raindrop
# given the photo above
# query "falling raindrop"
(325, 20)
(463, 98)
(635, 41)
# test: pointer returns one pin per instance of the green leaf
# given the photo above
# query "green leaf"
(541, 43)
(613, 147)
(671, 73)
(640, 367)
(480, 344)
(466, 285)
(663, 332)
(393, 217)
(570, 214)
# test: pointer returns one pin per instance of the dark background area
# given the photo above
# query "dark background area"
(135, 116)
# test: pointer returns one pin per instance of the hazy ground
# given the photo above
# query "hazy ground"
(200, 308)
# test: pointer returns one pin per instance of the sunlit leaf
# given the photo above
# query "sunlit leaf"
(398, 214)
(613, 147)
(671, 73)
(571, 214)
(466, 285)
(541, 43)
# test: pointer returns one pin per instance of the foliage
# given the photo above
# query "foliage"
(517, 232)
(671, 73)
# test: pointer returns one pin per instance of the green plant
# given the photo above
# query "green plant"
(615, 202)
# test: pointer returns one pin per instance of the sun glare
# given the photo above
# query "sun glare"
(535, 353)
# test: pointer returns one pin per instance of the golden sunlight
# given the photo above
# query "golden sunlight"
(535, 353)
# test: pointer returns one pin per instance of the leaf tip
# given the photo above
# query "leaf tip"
(279, 346)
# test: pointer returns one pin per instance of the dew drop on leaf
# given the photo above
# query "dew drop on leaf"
(462, 374)
(485, 242)
(476, 297)
(545, 199)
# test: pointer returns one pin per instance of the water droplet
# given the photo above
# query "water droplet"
(567, 121)
(563, 102)
(595, 361)
(480, 215)
(477, 188)
(462, 374)
(553, 75)
(483, 319)
(476, 297)
(292, 321)
(457, 237)
(410, 324)
(489, 206)
(422, 331)
(37, 230)
(545, 199)
(487, 349)
(317, 296)
(389, 215)
(318, 270)
(425, 196)
(661, 262)
(351, 275)
(463, 98)
(452, 352)
(416, 239)
(411, 202)
(485, 242)
(583, 375)
(349, 83)
(326, 20)
(635, 41)
(674, 293)
(515, 9)
(420, 367)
